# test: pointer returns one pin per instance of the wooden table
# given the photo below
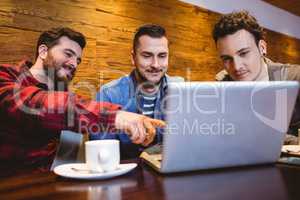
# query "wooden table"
(253, 183)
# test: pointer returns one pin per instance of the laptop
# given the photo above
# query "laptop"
(223, 124)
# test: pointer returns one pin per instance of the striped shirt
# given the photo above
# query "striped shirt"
(147, 104)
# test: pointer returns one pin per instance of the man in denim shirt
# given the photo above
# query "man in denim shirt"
(143, 90)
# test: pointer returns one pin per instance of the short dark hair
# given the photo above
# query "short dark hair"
(51, 37)
(152, 30)
(230, 23)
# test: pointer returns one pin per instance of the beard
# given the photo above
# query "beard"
(55, 73)
(145, 85)
(142, 78)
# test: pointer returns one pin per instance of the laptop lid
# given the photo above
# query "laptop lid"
(223, 124)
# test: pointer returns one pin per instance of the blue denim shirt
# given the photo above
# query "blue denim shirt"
(123, 91)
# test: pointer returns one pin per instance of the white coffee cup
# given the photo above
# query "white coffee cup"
(102, 155)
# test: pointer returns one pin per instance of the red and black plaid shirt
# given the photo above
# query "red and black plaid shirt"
(31, 118)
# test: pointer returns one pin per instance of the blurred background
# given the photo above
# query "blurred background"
(109, 26)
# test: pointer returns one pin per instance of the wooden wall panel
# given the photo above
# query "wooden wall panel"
(292, 6)
(109, 26)
(283, 48)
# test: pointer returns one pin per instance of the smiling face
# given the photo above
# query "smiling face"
(241, 56)
(151, 58)
(63, 58)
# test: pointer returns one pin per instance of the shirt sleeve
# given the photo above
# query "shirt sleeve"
(293, 72)
(102, 95)
(53, 110)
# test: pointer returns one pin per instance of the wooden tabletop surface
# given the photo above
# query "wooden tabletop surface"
(257, 182)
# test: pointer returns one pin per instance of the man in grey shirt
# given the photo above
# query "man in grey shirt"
(241, 45)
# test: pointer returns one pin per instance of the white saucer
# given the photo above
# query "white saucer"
(80, 171)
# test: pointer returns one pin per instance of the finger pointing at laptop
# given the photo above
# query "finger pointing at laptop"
(140, 128)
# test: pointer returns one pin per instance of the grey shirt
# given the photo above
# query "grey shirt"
(278, 72)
